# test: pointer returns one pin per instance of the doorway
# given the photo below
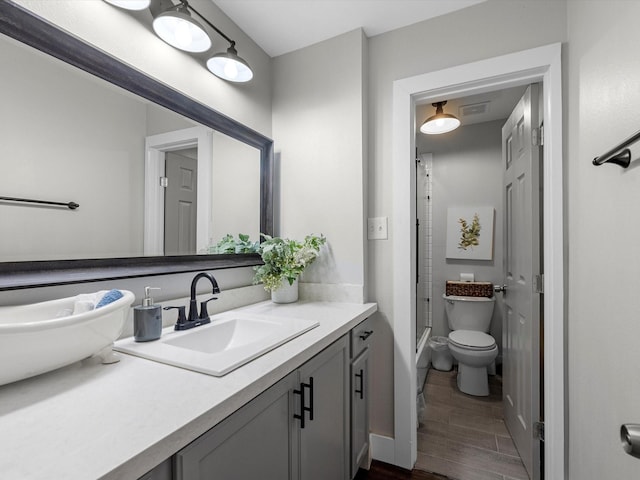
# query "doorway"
(467, 170)
(156, 146)
(180, 201)
(541, 64)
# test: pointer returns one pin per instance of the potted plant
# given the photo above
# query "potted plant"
(229, 244)
(284, 260)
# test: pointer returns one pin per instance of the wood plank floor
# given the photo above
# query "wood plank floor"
(464, 437)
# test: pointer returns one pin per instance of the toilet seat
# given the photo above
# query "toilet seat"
(471, 340)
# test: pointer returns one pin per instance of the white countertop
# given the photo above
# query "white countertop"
(90, 421)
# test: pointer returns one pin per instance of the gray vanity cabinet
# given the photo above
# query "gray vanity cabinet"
(254, 442)
(324, 440)
(298, 429)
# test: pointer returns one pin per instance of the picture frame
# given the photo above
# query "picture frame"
(470, 233)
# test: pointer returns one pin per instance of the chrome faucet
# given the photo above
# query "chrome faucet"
(195, 319)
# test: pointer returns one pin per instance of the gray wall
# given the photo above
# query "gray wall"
(467, 171)
(320, 143)
(602, 110)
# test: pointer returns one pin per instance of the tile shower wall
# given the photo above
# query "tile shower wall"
(466, 171)
(424, 176)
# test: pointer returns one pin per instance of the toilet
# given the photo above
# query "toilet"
(475, 350)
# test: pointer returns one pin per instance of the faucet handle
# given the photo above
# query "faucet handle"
(203, 308)
(182, 319)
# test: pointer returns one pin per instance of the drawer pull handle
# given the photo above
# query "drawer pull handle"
(364, 335)
(361, 390)
(303, 406)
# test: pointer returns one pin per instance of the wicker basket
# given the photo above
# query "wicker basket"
(469, 289)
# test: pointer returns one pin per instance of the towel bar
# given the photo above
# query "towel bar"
(70, 205)
(620, 155)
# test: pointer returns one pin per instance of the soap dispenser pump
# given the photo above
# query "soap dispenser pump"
(147, 318)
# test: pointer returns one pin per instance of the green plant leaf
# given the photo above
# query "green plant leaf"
(285, 258)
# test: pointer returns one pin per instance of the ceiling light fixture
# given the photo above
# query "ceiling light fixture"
(440, 122)
(130, 4)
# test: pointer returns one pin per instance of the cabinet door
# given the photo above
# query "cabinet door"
(254, 442)
(359, 411)
(324, 440)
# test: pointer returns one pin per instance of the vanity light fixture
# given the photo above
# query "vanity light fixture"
(229, 66)
(178, 28)
(440, 122)
(130, 4)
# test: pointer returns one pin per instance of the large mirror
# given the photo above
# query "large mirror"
(127, 150)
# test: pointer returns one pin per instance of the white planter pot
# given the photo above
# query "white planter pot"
(286, 293)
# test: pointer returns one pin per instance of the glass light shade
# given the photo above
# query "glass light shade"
(130, 4)
(178, 29)
(229, 66)
(441, 123)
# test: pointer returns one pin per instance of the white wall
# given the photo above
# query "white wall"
(603, 352)
(467, 172)
(319, 142)
(485, 30)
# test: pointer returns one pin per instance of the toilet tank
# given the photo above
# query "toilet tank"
(469, 313)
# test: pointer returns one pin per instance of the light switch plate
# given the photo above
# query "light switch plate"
(377, 228)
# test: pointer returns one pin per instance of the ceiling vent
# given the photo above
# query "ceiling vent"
(473, 109)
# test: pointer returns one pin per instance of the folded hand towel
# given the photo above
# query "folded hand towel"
(110, 296)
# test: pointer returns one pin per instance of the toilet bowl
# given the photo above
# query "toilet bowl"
(475, 351)
(469, 319)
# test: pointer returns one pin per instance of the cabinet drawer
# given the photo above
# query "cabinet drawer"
(361, 337)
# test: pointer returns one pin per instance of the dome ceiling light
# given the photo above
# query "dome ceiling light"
(440, 122)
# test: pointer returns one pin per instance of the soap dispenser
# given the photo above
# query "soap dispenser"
(147, 318)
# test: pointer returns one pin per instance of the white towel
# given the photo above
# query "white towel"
(85, 302)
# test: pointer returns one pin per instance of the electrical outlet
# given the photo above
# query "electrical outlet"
(377, 228)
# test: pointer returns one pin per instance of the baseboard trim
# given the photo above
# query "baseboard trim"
(382, 448)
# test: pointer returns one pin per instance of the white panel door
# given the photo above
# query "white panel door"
(521, 330)
(180, 208)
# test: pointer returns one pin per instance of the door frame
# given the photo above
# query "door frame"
(155, 147)
(542, 64)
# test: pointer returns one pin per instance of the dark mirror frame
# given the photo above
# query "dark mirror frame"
(26, 27)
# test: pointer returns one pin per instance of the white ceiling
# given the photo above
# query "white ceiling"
(281, 26)
(496, 105)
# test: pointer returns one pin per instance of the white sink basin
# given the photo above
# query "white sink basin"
(40, 337)
(230, 341)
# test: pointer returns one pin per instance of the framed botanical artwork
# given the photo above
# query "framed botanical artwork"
(470, 233)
